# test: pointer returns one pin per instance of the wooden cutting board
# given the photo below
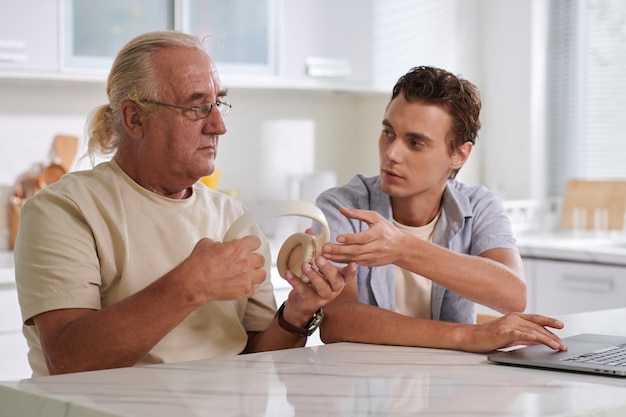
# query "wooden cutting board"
(64, 148)
(587, 199)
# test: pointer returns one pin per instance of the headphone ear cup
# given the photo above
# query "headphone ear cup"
(297, 249)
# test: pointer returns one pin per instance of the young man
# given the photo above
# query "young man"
(123, 264)
(428, 246)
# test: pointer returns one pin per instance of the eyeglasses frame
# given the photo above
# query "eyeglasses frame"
(196, 109)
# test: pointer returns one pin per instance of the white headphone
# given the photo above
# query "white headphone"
(299, 247)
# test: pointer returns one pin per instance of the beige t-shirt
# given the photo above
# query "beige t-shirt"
(96, 237)
(413, 291)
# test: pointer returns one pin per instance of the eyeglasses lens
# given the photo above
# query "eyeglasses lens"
(204, 109)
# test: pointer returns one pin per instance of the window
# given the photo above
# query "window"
(586, 123)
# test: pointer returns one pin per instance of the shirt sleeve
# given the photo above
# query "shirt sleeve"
(56, 264)
(491, 225)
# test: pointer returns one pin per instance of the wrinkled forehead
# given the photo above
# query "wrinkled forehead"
(183, 72)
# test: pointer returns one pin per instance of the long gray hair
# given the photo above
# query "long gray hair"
(131, 79)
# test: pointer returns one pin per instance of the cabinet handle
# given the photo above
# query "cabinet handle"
(12, 51)
(327, 67)
(583, 284)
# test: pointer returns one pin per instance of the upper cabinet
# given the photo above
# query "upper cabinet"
(240, 35)
(94, 31)
(352, 45)
(28, 36)
(285, 43)
(326, 42)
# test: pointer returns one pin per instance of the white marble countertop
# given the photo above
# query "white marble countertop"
(333, 380)
(605, 248)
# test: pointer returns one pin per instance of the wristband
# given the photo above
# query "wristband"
(305, 331)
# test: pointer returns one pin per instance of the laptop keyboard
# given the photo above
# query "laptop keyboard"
(611, 356)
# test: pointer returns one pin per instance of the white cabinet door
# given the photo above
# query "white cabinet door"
(13, 357)
(240, 35)
(297, 43)
(10, 316)
(326, 41)
(530, 274)
(13, 347)
(28, 35)
(571, 287)
(94, 31)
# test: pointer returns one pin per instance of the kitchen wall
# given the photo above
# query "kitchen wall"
(495, 50)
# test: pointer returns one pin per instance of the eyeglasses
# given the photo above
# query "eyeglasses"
(201, 111)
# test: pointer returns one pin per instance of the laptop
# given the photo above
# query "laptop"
(589, 353)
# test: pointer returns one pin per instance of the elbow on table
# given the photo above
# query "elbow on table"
(58, 366)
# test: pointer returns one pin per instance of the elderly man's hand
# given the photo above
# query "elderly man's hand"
(326, 281)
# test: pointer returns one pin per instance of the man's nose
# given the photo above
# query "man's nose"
(392, 150)
(214, 123)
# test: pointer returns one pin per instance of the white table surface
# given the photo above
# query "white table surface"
(333, 380)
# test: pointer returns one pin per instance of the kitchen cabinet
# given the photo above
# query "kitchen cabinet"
(348, 45)
(564, 287)
(10, 316)
(28, 36)
(13, 347)
(94, 31)
(240, 35)
(530, 275)
(327, 41)
(255, 43)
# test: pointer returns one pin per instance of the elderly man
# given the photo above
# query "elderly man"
(123, 264)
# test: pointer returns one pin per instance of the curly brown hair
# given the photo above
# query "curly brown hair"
(458, 96)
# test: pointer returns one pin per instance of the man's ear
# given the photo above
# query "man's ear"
(461, 154)
(132, 119)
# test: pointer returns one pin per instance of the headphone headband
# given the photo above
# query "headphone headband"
(278, 209)
(298, 248)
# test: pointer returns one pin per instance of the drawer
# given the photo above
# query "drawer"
(571, 287)
(7, 276)
(10, 315)
(13, 357)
